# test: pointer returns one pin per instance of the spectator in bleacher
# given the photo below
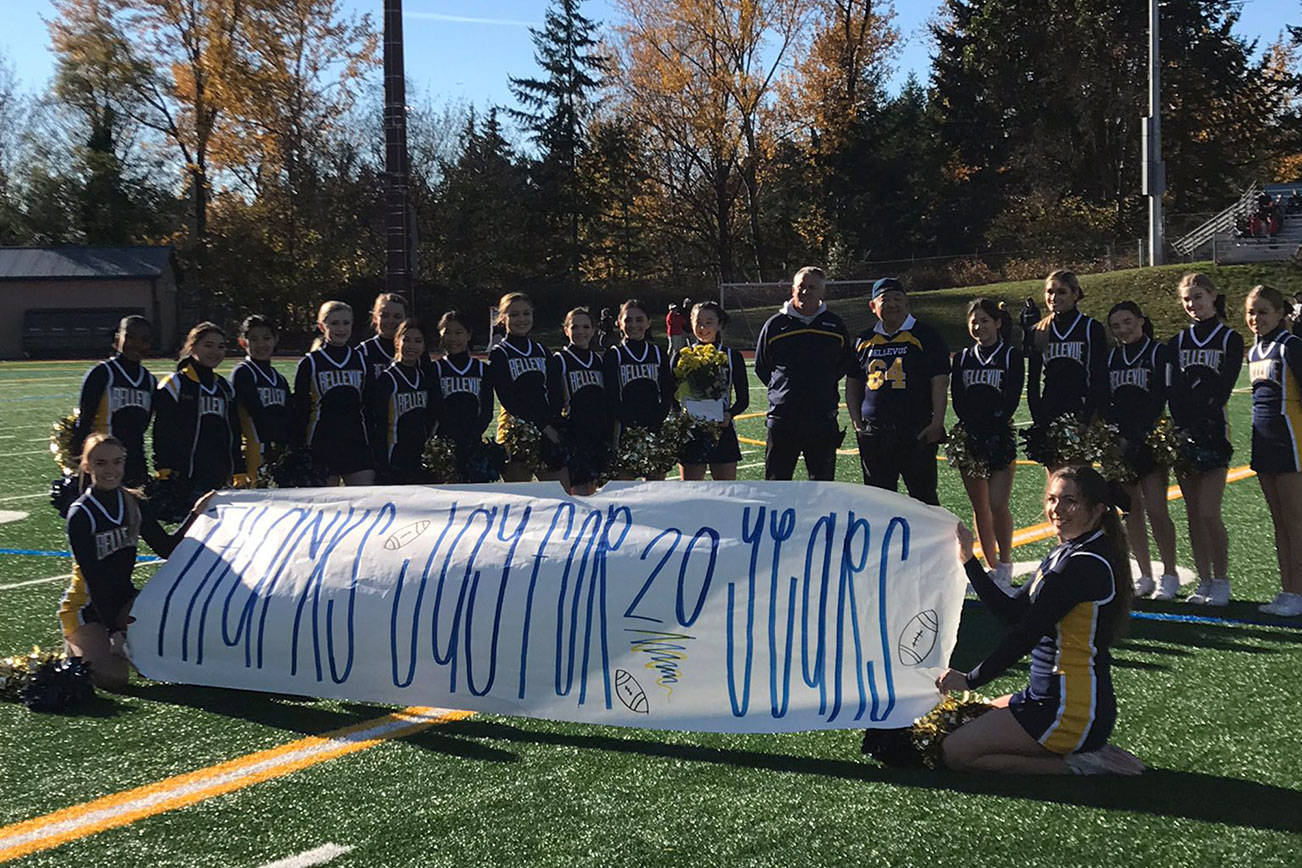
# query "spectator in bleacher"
(896, 395)
(1294, 202)
(801, 355)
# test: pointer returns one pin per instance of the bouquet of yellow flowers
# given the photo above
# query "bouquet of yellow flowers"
(702, 374)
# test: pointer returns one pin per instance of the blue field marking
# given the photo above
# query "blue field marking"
(41, 553)
(1194, 619)
(1203, 619)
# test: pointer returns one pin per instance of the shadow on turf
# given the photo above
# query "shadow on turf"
(1161, 792)
(300, 714)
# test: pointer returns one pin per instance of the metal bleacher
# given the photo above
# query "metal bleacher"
(1217, 239)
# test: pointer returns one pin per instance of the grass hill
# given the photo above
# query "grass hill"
(1152, 288)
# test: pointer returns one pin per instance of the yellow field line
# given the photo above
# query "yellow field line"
(120, 809)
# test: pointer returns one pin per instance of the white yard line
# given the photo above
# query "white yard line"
(24, 497)
(17, 454)
(318, 856)
(25, 584)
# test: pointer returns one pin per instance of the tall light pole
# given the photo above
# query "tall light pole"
(398, 259)
(1154, 182)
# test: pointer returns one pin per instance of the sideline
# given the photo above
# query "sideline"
(121, 809)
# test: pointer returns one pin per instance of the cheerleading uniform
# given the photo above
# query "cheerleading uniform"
(1275, 365)
(465, 399)
(1061, 617)
(897, 370)
(377, 354)
(1068, 370)
(104, 529)
(402, 409)
(1137, 397)
(262, 407)
(326, 410)
(727, 449)
(117, 398)
(582, 413)
(986, 386)
(196, 432)
(639, 384)
(1205, 359)
(801, 360)
(517, 368)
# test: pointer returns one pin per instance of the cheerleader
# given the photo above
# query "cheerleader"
(465, 398)
(1275, 365)
(104, 527)
(986, 383)
(388, 311)
(517, 368)
(639, 381)
(117, 396)
(1068, 359)
(1205, 362)
(402, 409)
(327, 408)
(261, 395)
(196, 432)
(1067, 618)
(1137, 396)
(579, 401)
(720, 458)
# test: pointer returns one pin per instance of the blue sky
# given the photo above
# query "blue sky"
(466, 49)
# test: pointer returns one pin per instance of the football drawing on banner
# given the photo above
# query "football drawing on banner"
(719, 607)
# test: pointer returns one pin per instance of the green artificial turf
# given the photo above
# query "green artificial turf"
(1211, 707)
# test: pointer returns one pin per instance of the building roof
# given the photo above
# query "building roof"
(44, 263)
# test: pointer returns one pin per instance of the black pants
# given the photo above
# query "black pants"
(788, 438)
(885, 456)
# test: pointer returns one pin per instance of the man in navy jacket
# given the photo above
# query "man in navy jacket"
(802, 353)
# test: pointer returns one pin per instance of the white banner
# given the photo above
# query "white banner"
(729, 607)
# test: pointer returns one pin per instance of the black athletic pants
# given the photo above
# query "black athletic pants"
(885, 456)
(788, 438)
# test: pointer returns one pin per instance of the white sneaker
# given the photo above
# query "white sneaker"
(1167, 587)
(1285, 604)
(1201, 593)
(1219, 594)
(1144, 586)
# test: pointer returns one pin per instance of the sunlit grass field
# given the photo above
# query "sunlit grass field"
(1212, 707)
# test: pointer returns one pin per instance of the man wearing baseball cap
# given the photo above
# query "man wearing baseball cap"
(897, 394)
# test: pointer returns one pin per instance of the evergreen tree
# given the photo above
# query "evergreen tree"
(556, 109)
